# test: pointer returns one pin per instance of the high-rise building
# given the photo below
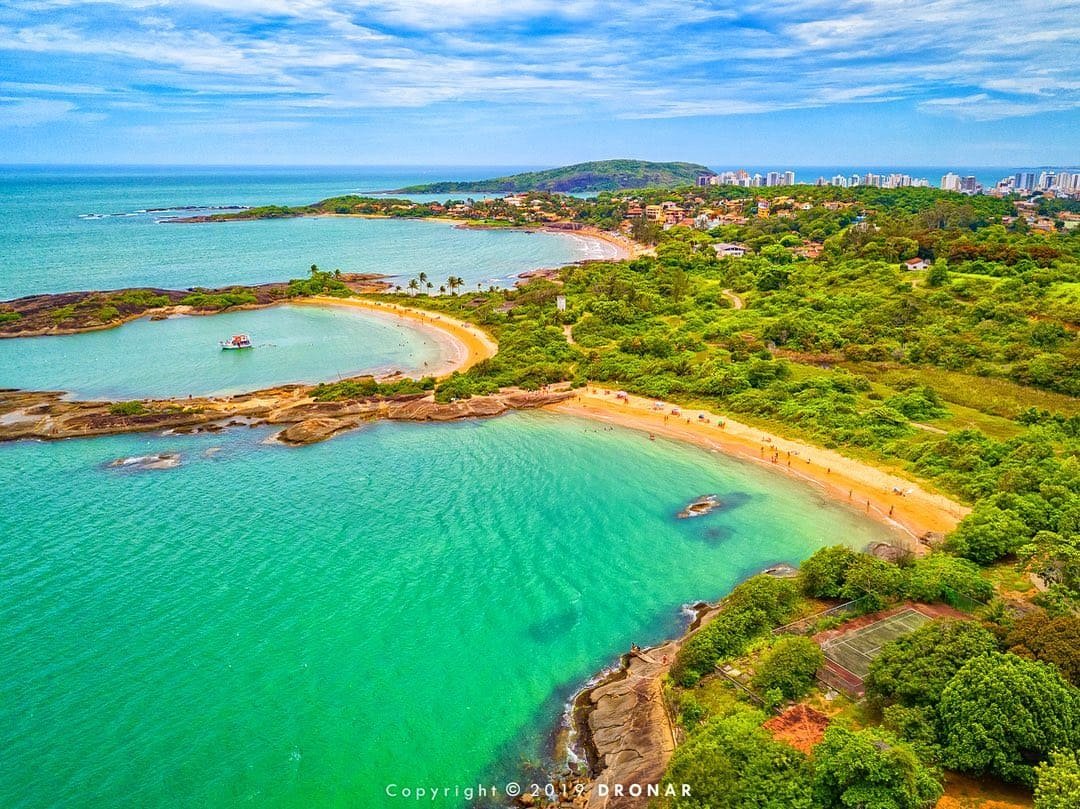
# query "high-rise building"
(970, 185)
(950, 182)
(1024, 181)
(772, 178)
(789, 178)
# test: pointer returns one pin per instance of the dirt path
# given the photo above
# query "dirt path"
(736, 301)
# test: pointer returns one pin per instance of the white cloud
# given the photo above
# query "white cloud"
(667, 58)
(25, 112)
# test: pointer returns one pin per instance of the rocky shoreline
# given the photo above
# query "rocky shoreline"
(47, 415)
(622, 728)
(76, 312)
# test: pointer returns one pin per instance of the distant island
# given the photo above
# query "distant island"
(599, 175)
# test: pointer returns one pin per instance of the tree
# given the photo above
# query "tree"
(941, 577)
(413, 286)
(914, 669)
(789, 667)
(1057, 781)
(1052, 640)
(823, 574)
(938, 274)
(758, 604)
(873, 579)
(1002, 714)
(988, 533)
(871, 769)
(732, 763)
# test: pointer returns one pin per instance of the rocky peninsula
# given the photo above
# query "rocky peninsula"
(304, 419)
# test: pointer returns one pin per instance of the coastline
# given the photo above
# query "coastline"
(464, 344)
(914, 511)
(625, 247)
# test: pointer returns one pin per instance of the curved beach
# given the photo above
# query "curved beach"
(463, 343)
(897, 501)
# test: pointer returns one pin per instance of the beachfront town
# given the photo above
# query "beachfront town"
(1064, 183)
(1043, 202)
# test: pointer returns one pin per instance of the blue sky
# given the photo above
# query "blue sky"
(540, 82)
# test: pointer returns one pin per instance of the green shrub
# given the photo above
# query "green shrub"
(871, 769)
(732, 763)
(940, 577)
(914, 669)
(1057, 781)
(1002, 714)
(789, 667)
(822, 575)
(128, 409)
(757, 605)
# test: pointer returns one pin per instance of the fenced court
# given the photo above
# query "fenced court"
(852, 651)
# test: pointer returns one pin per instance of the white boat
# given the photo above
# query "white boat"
(237, 342)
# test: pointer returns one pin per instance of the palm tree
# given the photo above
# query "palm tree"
(429, 286)
(458, 282)
(442, 290)
(423, 277)
(413, 286)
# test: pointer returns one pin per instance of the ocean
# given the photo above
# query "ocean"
(68, 229)
(181, 356)
(405, 604)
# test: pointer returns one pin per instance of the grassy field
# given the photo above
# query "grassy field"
(988, 395)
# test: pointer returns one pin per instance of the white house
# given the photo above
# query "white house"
(726, 249)
(916, 264)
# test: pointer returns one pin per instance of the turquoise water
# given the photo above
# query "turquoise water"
(409, 603)
(181, 355)
(64, 230)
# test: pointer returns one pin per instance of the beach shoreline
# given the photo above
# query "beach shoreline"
(463, 344)
(898, 502)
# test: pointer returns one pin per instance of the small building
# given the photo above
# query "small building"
(916, 264)
(728, 250)
(560, 303)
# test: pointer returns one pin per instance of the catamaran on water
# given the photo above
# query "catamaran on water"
(237, 342)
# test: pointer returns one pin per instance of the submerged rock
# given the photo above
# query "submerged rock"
(138, 463)
(700, 507)
(781, 570)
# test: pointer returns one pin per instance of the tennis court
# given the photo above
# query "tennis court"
(854, 650)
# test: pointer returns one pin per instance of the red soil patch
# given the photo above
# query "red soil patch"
(800, 726)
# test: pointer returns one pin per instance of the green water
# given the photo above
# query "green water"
(409, 604)
(182, 356)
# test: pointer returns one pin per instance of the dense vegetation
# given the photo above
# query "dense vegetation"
(965, 375)
(986, 696)
(599, 175)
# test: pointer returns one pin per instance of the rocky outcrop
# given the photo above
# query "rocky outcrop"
(47, 415)
(623, 723)
(311, 431)
(629, 729)
(700, 507)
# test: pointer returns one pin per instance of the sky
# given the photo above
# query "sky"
(540, 82)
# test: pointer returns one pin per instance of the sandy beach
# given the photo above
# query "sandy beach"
(463, 344)
(894, 500)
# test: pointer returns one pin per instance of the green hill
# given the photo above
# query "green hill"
(600, 175)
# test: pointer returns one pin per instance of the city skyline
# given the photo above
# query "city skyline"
(445, 82)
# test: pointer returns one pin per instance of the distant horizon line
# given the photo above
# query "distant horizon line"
(520, 166)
